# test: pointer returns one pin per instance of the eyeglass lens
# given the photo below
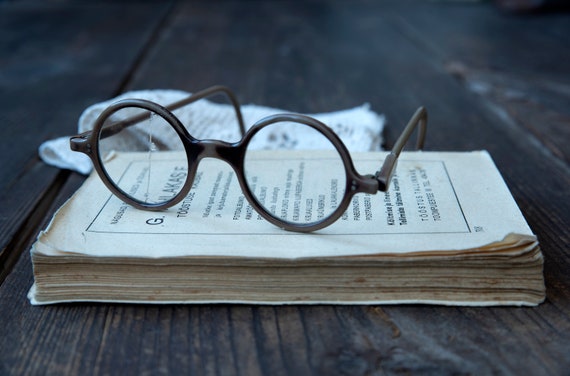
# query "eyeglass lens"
(286, 184)
(149, 136)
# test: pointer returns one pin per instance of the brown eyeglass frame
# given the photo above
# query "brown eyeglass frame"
(234, 153)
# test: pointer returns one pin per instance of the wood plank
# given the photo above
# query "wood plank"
(319, 57)
(515, 63)
(56, 60)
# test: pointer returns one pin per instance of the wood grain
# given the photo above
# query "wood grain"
(56, 60)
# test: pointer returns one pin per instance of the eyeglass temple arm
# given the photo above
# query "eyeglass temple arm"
(117, 127)
(384, 176)
(208, 92)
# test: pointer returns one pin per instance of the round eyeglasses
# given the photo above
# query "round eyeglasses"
(323, 186)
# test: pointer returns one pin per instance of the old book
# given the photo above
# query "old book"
(447, 232)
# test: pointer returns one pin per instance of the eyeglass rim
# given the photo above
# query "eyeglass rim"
(98, 163)
(353, 181)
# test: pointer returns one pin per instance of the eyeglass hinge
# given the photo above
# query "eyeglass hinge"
(384, 176)
(80, 143)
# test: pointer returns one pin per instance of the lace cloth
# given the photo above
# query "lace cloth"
(359, 128)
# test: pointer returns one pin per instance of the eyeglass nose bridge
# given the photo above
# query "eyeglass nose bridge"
(226, 151)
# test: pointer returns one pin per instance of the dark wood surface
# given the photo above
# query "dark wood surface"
(490, 80)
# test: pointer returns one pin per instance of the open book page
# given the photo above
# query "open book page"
(437, 202)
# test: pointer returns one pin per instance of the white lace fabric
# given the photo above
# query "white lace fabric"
(359, 128)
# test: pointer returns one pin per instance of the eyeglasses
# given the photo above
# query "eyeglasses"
(309, 196)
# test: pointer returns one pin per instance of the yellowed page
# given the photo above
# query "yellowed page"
(438, 201)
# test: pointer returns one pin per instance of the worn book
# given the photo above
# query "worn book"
(447, 232)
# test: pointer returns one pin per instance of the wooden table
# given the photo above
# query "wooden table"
(490, 80)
